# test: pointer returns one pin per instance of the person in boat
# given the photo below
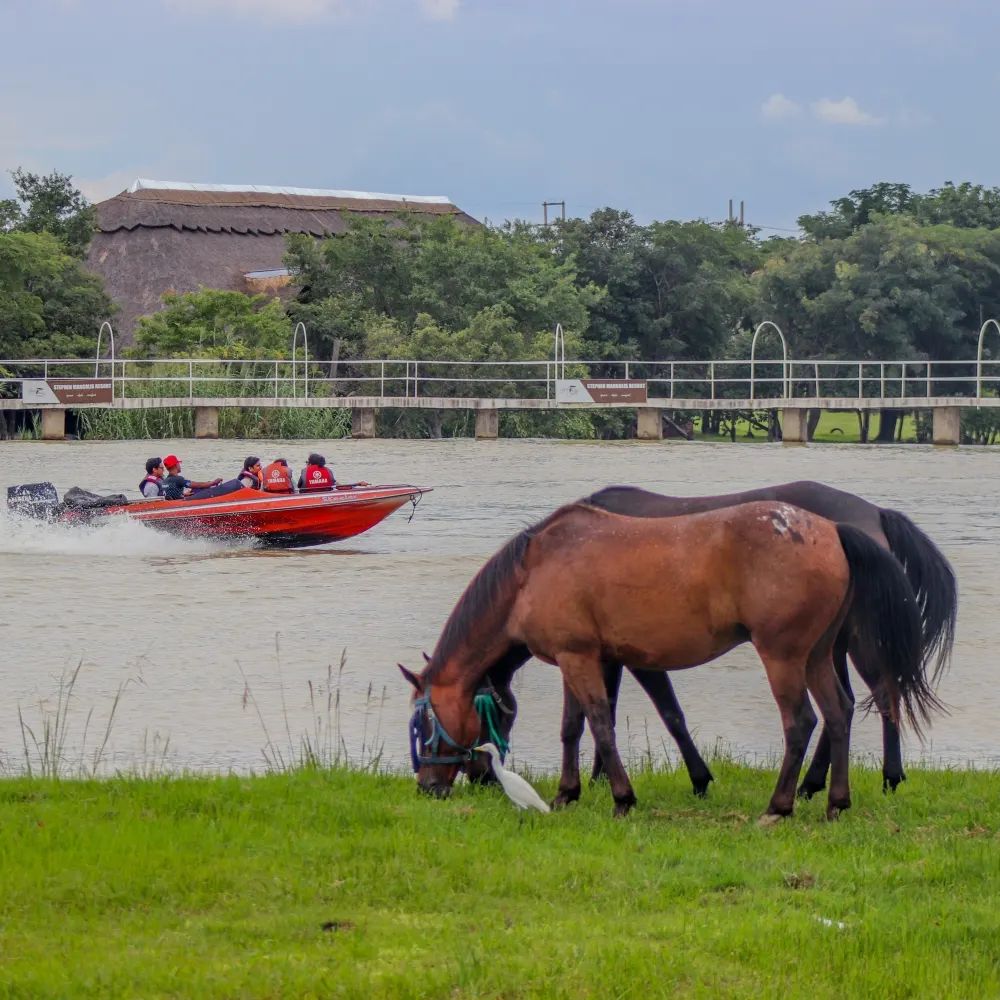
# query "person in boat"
(152, 486)
(176, 486)
(277, 477)
(316, 476)
(251, 477)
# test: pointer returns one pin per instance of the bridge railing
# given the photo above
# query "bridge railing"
(765, 381)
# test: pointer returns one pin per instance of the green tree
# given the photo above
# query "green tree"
(673, 289)
(215, 324)
(965, 205)
(49, 204)
(857, 209)
(383, 276)
(892, 290)
(49, 305)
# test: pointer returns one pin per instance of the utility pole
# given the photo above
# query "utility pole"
(545, 210)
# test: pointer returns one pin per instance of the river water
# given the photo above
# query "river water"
(222, 656)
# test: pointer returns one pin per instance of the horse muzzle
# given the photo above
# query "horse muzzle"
(438, 789)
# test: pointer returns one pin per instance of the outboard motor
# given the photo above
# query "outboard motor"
(37, 500)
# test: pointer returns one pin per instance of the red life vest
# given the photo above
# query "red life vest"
(156, 481)
(317, 477)
(277, 478)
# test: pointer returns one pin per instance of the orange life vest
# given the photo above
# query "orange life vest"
(276, 479)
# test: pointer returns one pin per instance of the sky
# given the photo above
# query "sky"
(666, 108)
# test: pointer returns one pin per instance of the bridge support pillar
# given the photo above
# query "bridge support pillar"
(650, 424)
(362, 423)
(206, 421)
(487, 425)
(53, 425)
(947, 425)
(794, 426)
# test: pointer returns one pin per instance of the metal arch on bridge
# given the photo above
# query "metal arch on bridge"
(97, 356)
(558, 357)
(784, 356)
(979, 354)
(305, 351)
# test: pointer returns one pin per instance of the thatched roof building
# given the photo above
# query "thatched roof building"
(163, 236)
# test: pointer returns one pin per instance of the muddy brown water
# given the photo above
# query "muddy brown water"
(193, 633)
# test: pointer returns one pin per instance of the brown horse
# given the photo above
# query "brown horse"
(929, 572)
(585, 587)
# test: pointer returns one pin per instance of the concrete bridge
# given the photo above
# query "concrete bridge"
(53, 386)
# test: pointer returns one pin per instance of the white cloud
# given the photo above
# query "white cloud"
(440, 10)
(269, 10)
(843, 112)
(777, 107)
(304, 11)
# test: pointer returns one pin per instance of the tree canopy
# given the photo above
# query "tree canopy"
(49, 305)
(49, 204)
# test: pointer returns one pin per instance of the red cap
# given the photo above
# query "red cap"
(171, 460)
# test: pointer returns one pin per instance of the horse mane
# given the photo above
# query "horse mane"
(488, 595)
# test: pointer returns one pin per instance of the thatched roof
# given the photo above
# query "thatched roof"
(256, 211)
(161, 236)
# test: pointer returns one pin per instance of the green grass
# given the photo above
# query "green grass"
(836, 427)
(329, 883)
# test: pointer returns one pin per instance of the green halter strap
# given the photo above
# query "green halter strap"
(486, 709)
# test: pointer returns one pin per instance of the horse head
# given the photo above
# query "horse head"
(444, 729)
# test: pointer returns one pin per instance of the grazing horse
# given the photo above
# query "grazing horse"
(929, 572)
(585, 587)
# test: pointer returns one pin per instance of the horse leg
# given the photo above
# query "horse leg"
(584, 675)
(612, 684)
(815, 779)
(837, 709)
(787, 680)
(892, 751)
(570, 733)
(661, 692)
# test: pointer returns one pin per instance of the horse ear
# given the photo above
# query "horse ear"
(427, 659)
(411, 677)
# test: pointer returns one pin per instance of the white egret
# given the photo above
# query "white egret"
(515, 787)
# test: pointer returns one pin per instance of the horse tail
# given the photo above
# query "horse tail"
(933, 582)
(885, 616)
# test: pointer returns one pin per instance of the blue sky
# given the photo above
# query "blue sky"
(666, 108)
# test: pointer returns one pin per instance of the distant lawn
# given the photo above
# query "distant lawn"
(836, 427)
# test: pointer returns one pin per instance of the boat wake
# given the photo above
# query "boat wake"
(118, 537)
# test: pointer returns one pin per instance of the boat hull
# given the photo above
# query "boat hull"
(278, 521)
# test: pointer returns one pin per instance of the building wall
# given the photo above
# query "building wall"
(139, 265)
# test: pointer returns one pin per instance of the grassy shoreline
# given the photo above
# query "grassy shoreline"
(321, 883)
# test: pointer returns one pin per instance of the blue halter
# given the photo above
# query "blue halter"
(485, 702)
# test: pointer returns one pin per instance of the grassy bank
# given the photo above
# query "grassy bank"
(325, 883)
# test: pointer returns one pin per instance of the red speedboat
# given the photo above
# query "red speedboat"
(290, 520)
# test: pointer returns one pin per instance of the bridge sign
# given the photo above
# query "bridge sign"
(65, 391)
(601, 390)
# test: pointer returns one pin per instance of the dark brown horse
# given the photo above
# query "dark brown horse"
(585, 587)
(929, 573)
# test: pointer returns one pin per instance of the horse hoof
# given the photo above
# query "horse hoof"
(769, 819)
(700, 786)
(564, 799)
(890, 782)
(834, 809)
(807, 791)
(622, 809)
